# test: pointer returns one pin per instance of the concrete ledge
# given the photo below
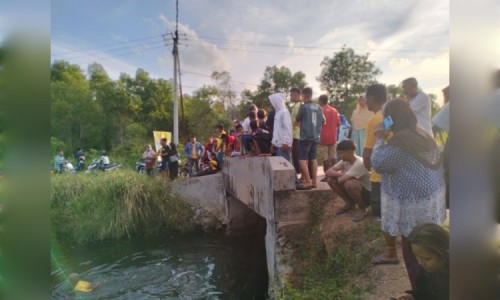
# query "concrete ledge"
(207, 192)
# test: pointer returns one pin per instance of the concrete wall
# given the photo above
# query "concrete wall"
(257, 194)
(207, 192)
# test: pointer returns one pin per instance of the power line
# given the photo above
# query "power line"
(209, 76)
(107, 45)
(287, 53)
(113, 51)
(267, 44)
(110, 57)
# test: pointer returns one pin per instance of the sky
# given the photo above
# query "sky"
(404, 38)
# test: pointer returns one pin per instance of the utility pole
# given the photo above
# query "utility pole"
(176, 104)
(175, 53)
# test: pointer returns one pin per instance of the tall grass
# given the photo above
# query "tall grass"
(102, 205)
(319, 275)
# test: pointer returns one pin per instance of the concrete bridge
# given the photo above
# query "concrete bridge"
(258, 193)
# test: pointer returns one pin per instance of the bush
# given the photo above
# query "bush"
(88, 207)
(322, 276)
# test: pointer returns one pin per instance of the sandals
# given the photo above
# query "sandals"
(360, 217)
(380, 260)
(343, 210)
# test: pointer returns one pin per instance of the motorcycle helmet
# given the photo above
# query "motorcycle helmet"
(102, 153)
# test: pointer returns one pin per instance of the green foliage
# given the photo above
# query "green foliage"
(394, 91)
(276, 80)
(88, 207)
(319, 275)
(346, 75)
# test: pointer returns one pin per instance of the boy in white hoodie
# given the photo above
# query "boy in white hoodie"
(283, 131)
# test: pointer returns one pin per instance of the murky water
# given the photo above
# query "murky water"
(190, 267)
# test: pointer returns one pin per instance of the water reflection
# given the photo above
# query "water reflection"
(193, 267)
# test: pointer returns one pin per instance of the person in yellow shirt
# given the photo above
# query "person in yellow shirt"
(376, 97)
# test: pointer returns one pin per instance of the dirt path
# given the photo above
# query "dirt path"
(391, 280)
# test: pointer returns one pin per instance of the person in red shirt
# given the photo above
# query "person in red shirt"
(328, 137)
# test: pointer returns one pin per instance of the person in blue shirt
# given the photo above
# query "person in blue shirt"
(193, 151)
(59, 162)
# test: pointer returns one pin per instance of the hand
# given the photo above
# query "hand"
(285, 147)
(406, 297)
(380, 132)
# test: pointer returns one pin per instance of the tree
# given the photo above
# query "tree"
(346, 75)
(276, 80)
(225, 93)
(394, 91)
(434, 105)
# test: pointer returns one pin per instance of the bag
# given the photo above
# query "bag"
(174, 157)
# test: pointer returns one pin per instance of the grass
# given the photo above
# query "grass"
(319, 275)
(102, 205)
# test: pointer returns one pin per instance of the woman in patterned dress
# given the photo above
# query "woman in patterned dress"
(413, 188)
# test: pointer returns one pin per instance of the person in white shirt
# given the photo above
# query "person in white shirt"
(246, 122)
(350, 180)
(420, 104)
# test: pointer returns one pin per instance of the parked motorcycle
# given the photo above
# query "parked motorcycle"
(66, 167)
(140, 167)
(95, 166)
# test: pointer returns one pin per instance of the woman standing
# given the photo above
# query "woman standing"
(412, 189)
(149, 157)
(359, 118)
(173, 161)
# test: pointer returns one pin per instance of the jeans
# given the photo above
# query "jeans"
(286, 155)
(195, 163)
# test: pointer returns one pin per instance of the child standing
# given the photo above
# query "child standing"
(430, 244)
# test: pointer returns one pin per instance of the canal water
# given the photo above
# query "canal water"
(164, 267)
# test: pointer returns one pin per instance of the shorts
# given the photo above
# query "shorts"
(164, 164)
(328, 152)
(307, 150)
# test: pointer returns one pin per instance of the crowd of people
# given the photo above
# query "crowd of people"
(388, 165)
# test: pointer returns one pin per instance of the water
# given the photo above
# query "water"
(191, 267)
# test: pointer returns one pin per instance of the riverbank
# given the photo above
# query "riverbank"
(114, 205)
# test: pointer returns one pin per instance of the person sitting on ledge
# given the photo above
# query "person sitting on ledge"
(261, 140)
(213, 166)
(350, 180)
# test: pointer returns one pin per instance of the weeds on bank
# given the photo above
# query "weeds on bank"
(319, 275)
(88, 207)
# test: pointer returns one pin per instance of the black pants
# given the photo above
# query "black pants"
(173, 169)
(375, 199)
(295, 155)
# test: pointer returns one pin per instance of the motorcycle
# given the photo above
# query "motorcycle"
(140, 167)
(66, 167)
(95, 166)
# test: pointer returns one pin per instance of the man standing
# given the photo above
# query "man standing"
(164, 151)
(295, 99)
(311, 119)
(419, 102)
(328, 137)
(193, 151)
(80, 159)
(376, 97)
(283, 131)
